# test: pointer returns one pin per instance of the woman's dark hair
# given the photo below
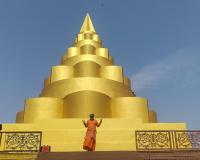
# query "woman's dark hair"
(91, 115)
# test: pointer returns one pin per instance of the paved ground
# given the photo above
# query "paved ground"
(121, 155)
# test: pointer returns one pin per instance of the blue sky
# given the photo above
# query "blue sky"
(157, 42)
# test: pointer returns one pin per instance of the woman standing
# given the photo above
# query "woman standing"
(90, 138)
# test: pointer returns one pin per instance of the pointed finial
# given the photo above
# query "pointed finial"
(87, 25)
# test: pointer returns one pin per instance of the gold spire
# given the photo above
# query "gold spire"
(87, 25)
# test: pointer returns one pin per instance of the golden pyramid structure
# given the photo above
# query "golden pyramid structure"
(87, 81)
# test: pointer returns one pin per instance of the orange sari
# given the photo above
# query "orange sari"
(90, 137)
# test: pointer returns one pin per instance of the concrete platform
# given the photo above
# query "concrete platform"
(121, 155)
(104, 155)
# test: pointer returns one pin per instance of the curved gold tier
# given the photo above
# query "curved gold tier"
(91, 102)
(62, 88)
(94, 58)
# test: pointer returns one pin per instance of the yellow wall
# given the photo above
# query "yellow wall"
(86, 69)
(130, 107)
(42, 108)
(115, 134)
(82, 104)
(61, 72)
(20, 117)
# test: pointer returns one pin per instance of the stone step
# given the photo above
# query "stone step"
(78, 135)
(18, 156)
(121, 155)
(100, 146)
(71, 123)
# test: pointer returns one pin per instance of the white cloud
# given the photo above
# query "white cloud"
(181, 68)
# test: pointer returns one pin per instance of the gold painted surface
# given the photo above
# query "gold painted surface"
(47, 81)
(61, 72)
(87, 49)
(86, 69)
(73, 51)
(112, 72)
(20, 117)
(67, 134)
(127, 81)
(88, 81)
(108, 87)
(42, 108)
(18, 156)
(91, 102)
(103, 52)
(87, 25)
(94, 58)
(130, 107)
(152, 116)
